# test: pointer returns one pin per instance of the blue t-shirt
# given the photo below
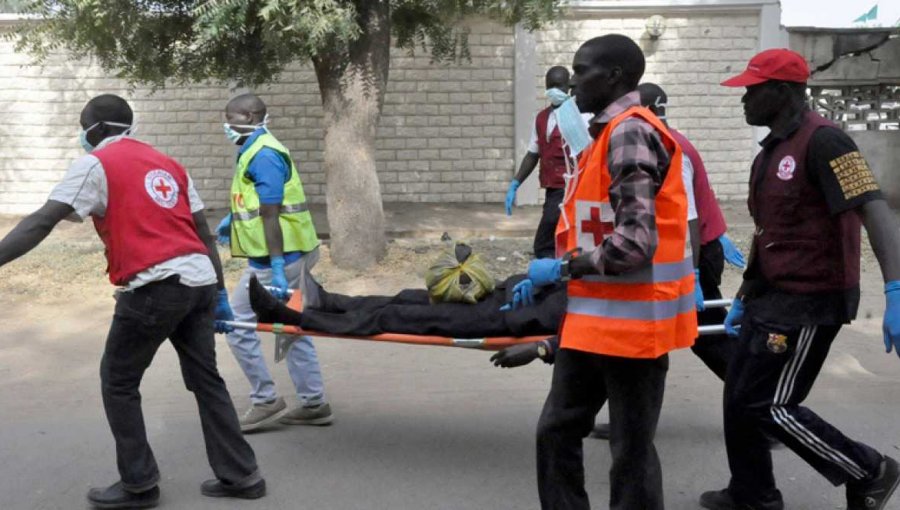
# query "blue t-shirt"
(269, 172)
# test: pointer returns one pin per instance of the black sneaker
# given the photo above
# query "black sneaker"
(115, 496)
(722, 500)
(875, 493)
(217, 489)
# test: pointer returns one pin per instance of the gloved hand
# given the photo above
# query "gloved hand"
(543, 272)
(523, 295)
(223, 231)
(734, 317)
(891, 325)
(732, 254)
(511, 195)
(516, 355)
(279, 279)
(223, 312)
(698, 291)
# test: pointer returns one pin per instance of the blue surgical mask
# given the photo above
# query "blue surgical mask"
(572, 127)
(82, 138)
(234, 136)
(556, 96)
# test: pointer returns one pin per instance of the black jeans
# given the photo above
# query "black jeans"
(714, 350)
(143, 319)
(545, 237)
(582, 382)
(773, 369)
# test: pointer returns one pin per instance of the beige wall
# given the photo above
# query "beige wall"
(448, 131)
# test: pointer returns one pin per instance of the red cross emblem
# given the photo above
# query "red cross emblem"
(597, 227)
(786, 168)
(162, 188)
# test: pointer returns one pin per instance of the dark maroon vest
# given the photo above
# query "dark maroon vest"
(553, 156)
(799, 246)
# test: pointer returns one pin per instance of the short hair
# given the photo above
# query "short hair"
(108, 108)
(652, 94)
(250, 104)
(556, 76)
(620, 51)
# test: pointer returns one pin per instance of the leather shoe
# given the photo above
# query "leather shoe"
(722, 500)
(218, 489)
(115, 496)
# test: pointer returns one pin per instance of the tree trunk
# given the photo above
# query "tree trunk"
(352, 82)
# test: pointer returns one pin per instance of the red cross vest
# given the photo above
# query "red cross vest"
(553, 156)
(148, 216)
(799, 246)
(647, 312)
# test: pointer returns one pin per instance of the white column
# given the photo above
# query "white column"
(524, 89)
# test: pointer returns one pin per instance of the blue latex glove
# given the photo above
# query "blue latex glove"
(734, 317)
(223, 231)
(698, 291)
(891, 325)
(732, 254)
(511, 195)
(543, 272)
(523, 295)
(223, 312)
(279, 279)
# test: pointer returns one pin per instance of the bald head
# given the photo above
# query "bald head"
(557, 77)
(245, 109)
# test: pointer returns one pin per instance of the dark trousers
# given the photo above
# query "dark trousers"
(582, 382)
(545, 237)
(714, 350)
(143, 319)
(765, 385)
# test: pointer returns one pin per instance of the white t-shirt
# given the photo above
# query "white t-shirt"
(687, 175)
(85, 189)
(551, 123)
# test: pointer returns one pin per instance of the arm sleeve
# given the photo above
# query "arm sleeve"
(835, 164)
(533, 141)
(83, 187)
(269, 172)
(687, 175)
(637, 165)
(194, 197)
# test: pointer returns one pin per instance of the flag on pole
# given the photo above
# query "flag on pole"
(872, 15)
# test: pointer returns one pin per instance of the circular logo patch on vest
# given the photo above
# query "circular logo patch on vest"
(786, 168)
(162, 188)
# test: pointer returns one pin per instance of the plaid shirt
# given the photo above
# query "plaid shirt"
(638, 162)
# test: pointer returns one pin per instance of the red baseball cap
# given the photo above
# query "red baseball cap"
(776, 64)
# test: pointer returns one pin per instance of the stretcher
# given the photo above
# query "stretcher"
(285, 331)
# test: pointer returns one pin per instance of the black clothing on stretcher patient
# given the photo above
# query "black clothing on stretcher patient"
(411, 312)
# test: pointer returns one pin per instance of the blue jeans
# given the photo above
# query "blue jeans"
(302, 360)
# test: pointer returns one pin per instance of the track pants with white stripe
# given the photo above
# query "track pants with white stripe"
(763, 392)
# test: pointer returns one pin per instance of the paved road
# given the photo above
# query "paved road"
(417, 427)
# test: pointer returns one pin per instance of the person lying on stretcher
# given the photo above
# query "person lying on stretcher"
(412, 312)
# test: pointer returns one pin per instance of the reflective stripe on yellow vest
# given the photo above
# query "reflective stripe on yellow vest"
(248, 238)
(645, 313)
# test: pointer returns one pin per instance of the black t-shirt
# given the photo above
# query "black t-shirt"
(835, 166)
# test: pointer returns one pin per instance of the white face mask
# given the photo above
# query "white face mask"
(556, 96)
(82, 137)
(234, 135)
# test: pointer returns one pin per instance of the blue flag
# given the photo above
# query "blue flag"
(872, 15)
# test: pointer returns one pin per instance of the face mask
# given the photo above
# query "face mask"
(82, 138)
(234, 135)
(572, 127)
(556, 96)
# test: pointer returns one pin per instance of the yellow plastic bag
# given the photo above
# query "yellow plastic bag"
(458, 276)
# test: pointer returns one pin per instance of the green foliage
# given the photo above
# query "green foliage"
(246, 42)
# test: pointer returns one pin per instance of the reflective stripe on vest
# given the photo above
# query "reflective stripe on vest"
(649, 311)
(248, 238)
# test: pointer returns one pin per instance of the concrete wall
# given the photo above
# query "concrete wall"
(882, 151)
(449, 133)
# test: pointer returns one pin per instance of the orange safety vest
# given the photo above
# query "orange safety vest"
(649, 311)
